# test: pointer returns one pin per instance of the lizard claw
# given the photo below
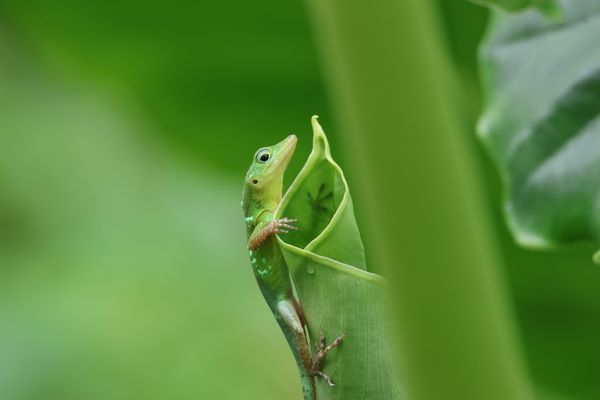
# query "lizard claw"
(283, 225)
(322, 350)
(326, 377)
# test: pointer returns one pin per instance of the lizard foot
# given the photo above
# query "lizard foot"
(283, 225)
(322, 350)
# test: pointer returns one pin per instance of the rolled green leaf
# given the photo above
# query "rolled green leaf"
(541, 121)
(327, 263)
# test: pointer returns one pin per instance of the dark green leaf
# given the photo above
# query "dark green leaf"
(547, 7)
(541, 121)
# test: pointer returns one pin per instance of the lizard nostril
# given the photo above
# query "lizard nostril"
(255, 181)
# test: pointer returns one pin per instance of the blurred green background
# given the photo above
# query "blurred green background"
(125, 131)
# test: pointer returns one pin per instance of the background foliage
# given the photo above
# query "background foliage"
(125, 131)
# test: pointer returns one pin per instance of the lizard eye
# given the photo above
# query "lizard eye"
(263, 155)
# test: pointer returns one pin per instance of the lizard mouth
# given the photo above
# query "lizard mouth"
(288, 146)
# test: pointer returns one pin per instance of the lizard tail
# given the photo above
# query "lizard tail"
(292, 324)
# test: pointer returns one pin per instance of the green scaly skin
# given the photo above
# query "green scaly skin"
(263, 188)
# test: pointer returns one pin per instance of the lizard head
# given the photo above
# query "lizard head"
(264, 180)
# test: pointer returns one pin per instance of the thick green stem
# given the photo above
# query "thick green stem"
(389, 79)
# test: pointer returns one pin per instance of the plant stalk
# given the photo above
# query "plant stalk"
(389, 81)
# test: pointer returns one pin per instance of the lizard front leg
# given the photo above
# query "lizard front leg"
(267, 228)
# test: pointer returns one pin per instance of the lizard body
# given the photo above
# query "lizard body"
(262, 193)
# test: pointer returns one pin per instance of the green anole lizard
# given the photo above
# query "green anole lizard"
(263, 188)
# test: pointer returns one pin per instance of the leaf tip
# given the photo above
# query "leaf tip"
(317, 130)
(319, 138)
